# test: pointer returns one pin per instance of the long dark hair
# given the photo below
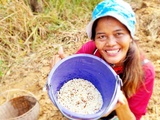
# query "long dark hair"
(133, 71)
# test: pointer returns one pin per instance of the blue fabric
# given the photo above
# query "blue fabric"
(118, 9)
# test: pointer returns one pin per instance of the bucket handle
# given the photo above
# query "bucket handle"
(119, 80)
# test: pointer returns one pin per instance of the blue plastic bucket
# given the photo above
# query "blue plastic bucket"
(88, 67)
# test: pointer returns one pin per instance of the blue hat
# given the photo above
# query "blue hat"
(118, 9)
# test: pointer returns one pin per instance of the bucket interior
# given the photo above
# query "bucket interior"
(86, 67)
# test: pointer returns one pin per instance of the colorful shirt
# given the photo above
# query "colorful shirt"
(138, 102)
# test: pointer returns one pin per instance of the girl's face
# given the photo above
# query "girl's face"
(112, 39)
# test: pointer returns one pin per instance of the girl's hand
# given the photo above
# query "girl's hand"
(57, 58)
(122, 109)
(121, 100)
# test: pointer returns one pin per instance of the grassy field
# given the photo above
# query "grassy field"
(28, 40)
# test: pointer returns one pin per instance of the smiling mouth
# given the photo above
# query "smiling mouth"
(112, 52)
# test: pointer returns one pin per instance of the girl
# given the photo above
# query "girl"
(111, 31)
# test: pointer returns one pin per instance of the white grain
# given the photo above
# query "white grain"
(80, 96)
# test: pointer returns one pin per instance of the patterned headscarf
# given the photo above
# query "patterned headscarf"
(118, 9)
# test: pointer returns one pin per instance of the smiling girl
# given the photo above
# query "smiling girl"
(111, 31)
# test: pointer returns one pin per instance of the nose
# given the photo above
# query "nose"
(111, 41)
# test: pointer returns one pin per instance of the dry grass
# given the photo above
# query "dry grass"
(29, 40)
(23, 32)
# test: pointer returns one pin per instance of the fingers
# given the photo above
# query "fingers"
(122, 98)
(61, 53)
(57, 58)
(121, 101)
(54, 60)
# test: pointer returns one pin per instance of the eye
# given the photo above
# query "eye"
(119, 34)
(101, 37)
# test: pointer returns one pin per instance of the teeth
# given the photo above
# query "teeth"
(112, 51)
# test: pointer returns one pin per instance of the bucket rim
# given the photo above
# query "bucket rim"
(53, 99)
(74, 56)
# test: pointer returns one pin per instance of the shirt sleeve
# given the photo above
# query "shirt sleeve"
(138, 102)
(87, 48)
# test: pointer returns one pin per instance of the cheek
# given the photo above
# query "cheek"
(126, 43)
(129, 44)
(99, 45)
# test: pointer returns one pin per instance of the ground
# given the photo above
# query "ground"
(32, 73)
